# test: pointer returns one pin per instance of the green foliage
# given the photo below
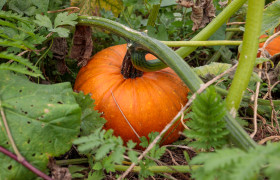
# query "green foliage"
(21, 67)
(237, 164)
(206, 121)
(61, 19)
(212, 69)
(100, 144)
(29, 7)
(91, 119)
(271, 17)
(43, 119)
(155, 153)
(108, 150)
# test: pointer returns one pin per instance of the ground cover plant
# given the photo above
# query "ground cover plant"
(211, 82)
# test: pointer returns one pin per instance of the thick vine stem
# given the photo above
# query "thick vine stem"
(247, 55)
(161, 51)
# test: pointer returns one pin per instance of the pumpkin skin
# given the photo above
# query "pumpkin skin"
(273, 47)
(149, 102)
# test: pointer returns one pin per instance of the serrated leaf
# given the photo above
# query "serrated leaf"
(62, 32)
(96, 175)
(97, 166)
(19, 69)
(206, 125)
(117, 155)
(91, 119)
(271, 17)
(262, 60)
(44, 121)
(36, 72)
(65, 19)
(43, 21)
(132, 156)
(130, 144)
(42, 5)
(87, 7)
(103, 150)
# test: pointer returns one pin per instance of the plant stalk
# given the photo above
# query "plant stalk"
(247, 56)
(233, 30)
(201, 43)
(155, 169)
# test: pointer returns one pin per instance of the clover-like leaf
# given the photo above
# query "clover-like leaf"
(43, 120)
(43, 21)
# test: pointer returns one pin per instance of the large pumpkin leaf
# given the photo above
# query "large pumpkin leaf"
(43, 119)
(271, 17)
(89, 7)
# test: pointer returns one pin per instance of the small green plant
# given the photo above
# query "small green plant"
(234, 163)
(206, 122)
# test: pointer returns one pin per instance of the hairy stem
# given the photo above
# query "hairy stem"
(201, 43)
(247, 55)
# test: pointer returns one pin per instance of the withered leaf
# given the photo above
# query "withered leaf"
(60, 50)
(82, 45)
(203, 11)
(57, 172)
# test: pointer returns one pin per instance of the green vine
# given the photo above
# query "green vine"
(247, 55)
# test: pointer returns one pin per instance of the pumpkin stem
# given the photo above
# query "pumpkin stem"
(128, 70)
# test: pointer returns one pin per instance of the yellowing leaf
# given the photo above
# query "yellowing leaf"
(89, 7)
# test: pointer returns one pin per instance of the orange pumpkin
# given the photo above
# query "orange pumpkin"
(273, 47)
(148, 102)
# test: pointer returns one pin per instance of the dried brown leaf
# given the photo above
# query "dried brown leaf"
(60, 50)
(203, 11)
(57, 172)
(82, 45)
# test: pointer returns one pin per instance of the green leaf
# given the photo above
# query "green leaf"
(44, 121)
(211, 69)
(207, 126)
(271, 17)
(97, 175)
(62, 32)
(34, 70)
(133, 156)
(220, 34)
(43, 21)
(97, 166)
(91, 119)
(65, 19)
(103, 150)
(130, 144)
(262, 60)
(165, 3)
(19, 69)
(42, 5)
(2, 3)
